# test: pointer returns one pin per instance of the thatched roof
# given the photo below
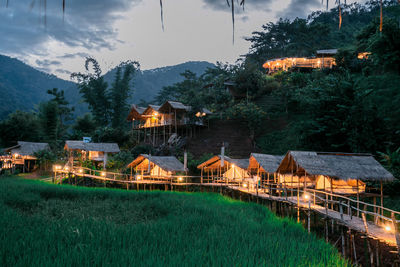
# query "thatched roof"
(173, 105)
(327, 52)
(135, 112)
(102, 147)
(27, 148)
(268, 163)
(336, 165)
(167, 163)
(215, 162)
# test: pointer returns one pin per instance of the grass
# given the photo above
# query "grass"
(42, 225)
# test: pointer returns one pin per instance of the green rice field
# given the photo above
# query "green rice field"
(53, 225)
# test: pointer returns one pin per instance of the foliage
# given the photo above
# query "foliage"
(392, 161)
(45, 159)
(115, 227)
(120, 92)
(19, 126)
(84, 126)
(119, 161)
(384, 46)
(94, 91)
(49, 120)
(248, 112)
(107, 105)
(142, 149)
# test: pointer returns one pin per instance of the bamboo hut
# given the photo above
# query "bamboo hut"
(324, 59)
(97, 152)
(136, 116)
(228, 169)
(341, 173)
(264, 166)
(157, 166)
(22, 155)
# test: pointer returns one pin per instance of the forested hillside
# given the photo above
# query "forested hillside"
(22, 87)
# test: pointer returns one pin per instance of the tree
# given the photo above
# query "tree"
(65, 112)
(83, 126)
(384, 46)
(19, 126)
(49, 120)
(120, 92)
(94, 91)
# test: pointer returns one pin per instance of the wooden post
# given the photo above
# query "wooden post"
(341, 210)
(381, 198)
(309, 216)
(343, 241)
(396, 232)
(358, 201)
(365, 222)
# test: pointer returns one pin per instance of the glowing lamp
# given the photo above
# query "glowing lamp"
(388, 228)
(203, 114)
(180, 179)
(66, 168)
(306, 196)
(103, 174)
(138, 177)
(233, 166)
(16, 155)
(244, 185)
(80, 170)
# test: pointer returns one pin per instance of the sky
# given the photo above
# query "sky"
(120, 30)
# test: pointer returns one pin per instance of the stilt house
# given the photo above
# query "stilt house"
(157, 166)
(233, 170)
(264, 166)
(22, 155)
(97, 152)
(156, 124)
(341, 173)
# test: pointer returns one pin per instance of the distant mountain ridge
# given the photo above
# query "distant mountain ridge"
(148, 83)
(22, 87)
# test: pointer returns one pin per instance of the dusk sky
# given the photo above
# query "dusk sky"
(118, 30)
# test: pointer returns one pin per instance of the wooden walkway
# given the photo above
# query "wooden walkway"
(348, 210)
(353, 222)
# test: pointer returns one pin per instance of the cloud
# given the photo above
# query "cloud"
(87, 24)
(62, 71)
(46, 63)
(299, 8)
(222, 5)
(74, 55)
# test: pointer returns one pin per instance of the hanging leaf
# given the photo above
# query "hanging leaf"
(162, 15)
(381, 18)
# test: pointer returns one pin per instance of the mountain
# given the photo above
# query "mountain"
(23, 87)
(146, 84)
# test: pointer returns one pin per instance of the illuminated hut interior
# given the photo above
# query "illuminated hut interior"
(156, 166)
(97, 152)
(156, 124)
(22, 155)
(264, 166)
(324, 59)
(232, 170)
(341, 173)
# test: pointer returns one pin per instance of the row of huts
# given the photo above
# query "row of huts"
(342, 173)
(23, 155)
